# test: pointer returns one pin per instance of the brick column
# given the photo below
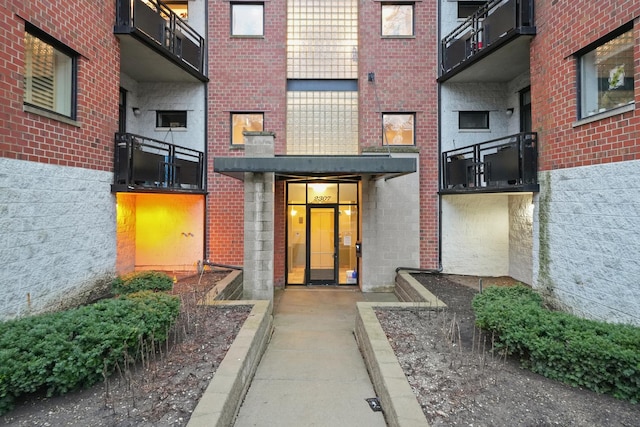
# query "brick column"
(258, 220)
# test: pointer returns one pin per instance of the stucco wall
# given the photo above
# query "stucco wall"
(390, 229)
(521, 237)
(475, 234)
(587, 240)
(58, 235)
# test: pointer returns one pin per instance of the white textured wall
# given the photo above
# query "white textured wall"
(587, 240)
(475, 234)
(58, 236)
(521, 237)
(390, 229)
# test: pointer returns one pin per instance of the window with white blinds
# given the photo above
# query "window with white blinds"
(48, 76)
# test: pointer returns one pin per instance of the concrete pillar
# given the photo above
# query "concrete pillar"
(258, 220)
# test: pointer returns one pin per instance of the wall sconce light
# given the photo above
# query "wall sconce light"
(136, 111)
(509, 112)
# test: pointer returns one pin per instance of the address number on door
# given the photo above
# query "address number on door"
(321, 199)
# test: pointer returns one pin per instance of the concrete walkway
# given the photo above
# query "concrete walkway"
(312, 373)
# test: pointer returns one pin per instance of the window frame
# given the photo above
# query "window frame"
(581, 107)
(232, 141)
(181, 125)
(413, 19)
(484, 113)
(232, 8)
(385, 140)
(71, 79)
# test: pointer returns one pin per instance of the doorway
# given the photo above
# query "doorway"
(322, 231)
(323, 246)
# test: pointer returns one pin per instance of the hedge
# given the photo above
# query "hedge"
(67, 350)
(599, 356)
(141, 281)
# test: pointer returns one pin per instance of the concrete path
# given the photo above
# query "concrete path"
(312, 373)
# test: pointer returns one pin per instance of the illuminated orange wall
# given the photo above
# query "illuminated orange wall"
(167, 231)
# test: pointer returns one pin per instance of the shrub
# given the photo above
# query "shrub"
(142, 281)
(599, 356)
(67, 350)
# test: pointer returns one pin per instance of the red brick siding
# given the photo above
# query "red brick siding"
(563, 29)
(89, 31)
(247, 74)
(405, 81)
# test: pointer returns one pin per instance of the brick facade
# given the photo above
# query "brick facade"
(564, 30)
(88, 30)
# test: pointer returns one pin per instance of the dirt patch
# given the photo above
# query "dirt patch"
(458, 381)
(162, 391)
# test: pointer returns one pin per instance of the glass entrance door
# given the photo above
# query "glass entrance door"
(323, 253)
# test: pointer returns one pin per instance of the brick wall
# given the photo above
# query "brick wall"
(89, 31)
(563, 29)
(405, 72)
(247, 74)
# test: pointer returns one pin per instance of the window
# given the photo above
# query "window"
(247, 19)
(49, 75)
(468, 8)
(240, 122)
(473, 120)
(397, 20)
(180, 8)
(171, 119)
(606, 75)
(398, 129)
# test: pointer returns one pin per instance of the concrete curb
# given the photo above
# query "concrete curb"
(399, 403)
(221, 400)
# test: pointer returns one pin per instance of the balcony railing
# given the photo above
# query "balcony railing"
(495, 22)
(499, 165)
(147, 164)
(158, 25)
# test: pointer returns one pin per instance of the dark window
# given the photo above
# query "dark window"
(473, 120)
(468, 8)
(607, 72)
(171, 119)
(50, 70)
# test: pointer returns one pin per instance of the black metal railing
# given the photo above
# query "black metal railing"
(151, 164)
(489, 24)
(503, 164)
(162, 27)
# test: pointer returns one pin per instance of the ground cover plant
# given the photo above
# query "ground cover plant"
(63, 351)
(599, 356)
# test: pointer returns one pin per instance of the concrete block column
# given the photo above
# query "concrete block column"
(258, 220)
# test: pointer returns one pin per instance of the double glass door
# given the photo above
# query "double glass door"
(321, 234)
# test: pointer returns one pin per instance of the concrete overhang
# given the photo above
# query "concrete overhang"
(286, 167)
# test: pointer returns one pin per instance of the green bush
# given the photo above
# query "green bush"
(63, 351)
(599, 356)
(142, 281)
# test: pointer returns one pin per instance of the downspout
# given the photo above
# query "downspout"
(439, 130)
(205, 243)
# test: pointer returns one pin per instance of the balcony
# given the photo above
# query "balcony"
(147, 165)
(508, 164)
(156, 44)
(492, 45)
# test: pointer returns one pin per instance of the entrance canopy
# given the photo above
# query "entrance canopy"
(286, 167)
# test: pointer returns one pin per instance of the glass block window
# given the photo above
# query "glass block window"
(606, 75)
(397, 20)
(247, 19)
(322, 39)
(398, 129)
(322, 123)
(49, 76)
(240, 122)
